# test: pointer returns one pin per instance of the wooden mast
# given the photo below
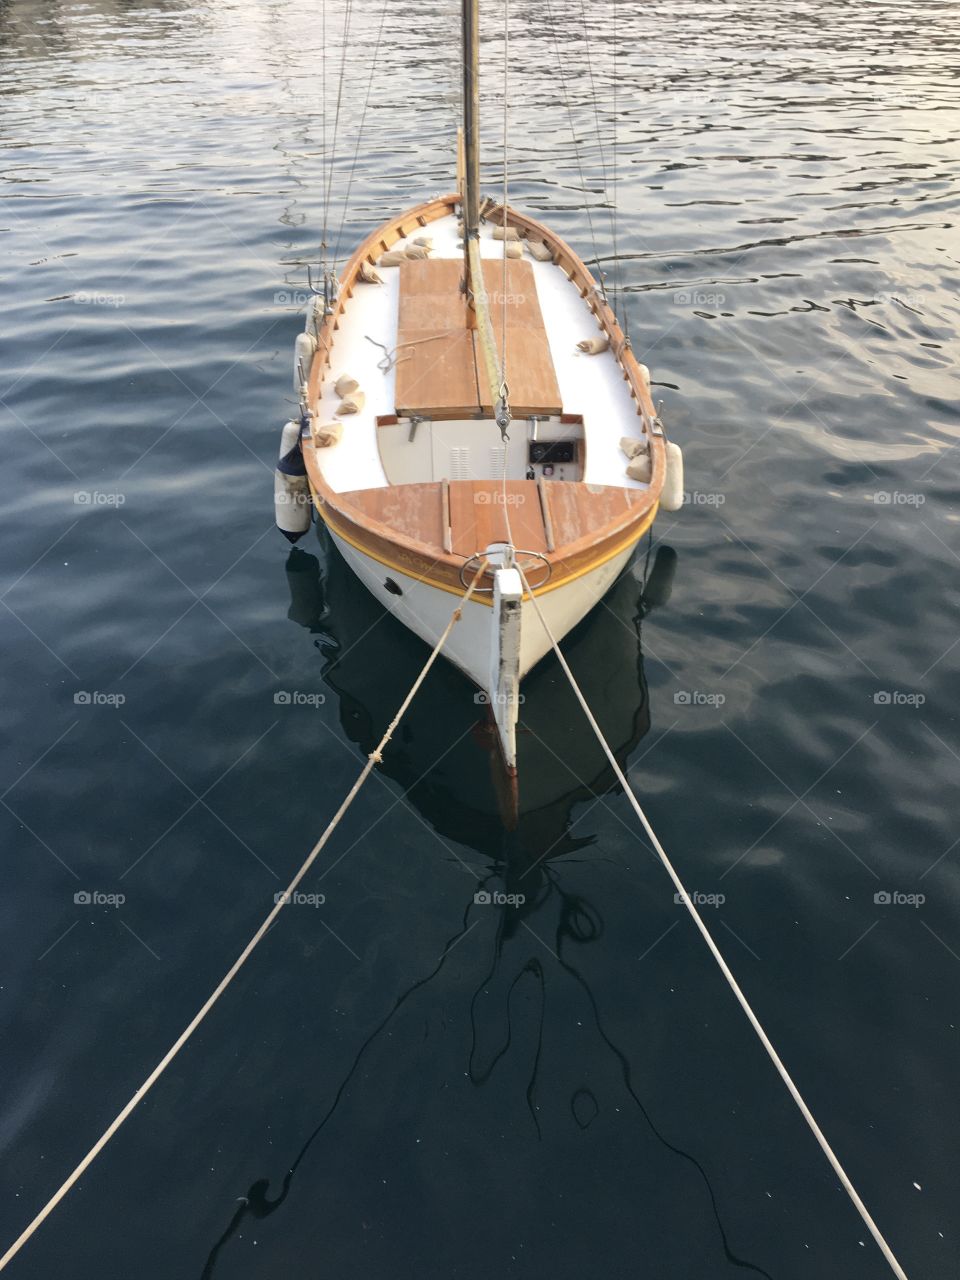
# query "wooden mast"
(478, 314)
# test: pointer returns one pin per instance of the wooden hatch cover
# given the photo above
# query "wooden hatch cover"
(437, 373)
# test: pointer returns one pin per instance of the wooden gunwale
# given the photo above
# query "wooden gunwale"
(432, 564)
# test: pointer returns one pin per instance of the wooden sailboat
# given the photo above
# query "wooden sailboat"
(468, 400)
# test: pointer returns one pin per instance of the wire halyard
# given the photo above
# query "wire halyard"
(328, 158)
(623, 316)
(363, 119)
(611, 203)
(551, 18)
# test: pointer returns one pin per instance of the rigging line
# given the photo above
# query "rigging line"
(323, 132)
(600, 147)
(347, 12)
(617, 264)
(280, 902)
(503, 294)
(503, 273)
(576, 150)
(363, 117)
(714, 949)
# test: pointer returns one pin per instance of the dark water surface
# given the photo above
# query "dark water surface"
(566, 1089)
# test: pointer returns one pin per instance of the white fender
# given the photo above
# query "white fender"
(303, 349)
(292, 502)
(314, 317)
(671, 499)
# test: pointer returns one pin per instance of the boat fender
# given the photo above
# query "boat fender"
(351, 404)
(505, 233)
(314, 317)
(639, 468)
(291, 488)
(671, 497)
(393, 258)
(345, 385)
(632, 447)
(513, 249)
(416, 251)
(327, 434)
(303, 349)
(542, 252)
(594, 346)
(645, 375)
(425, 242)
(367, 275)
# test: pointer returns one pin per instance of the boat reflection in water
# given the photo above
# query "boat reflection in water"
(445, 754)
(446, 758)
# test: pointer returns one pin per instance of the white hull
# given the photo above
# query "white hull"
(426, 610)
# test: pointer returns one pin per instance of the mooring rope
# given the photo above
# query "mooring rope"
(373, 758)
(715, 950)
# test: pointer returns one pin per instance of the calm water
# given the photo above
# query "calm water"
(462, 1090)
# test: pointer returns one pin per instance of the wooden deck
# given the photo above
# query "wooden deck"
(464, 516)
(437, 374)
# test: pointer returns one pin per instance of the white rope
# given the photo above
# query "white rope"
(374, 757)
(715, 951)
